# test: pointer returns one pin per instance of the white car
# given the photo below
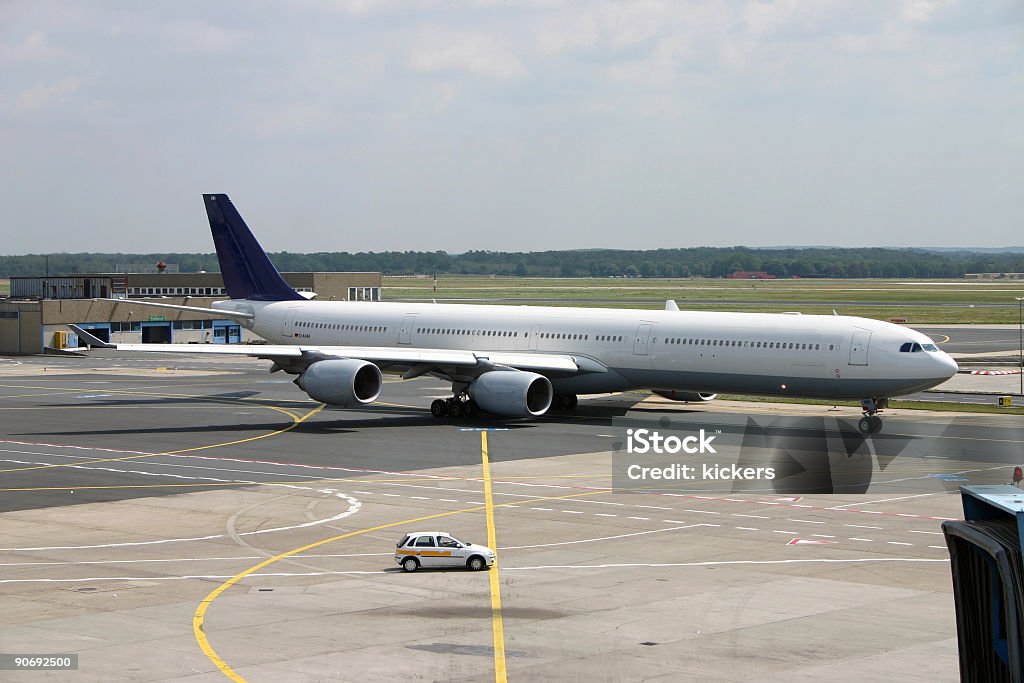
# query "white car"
(440, 549)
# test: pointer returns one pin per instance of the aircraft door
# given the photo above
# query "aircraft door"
(288, 327)
(534, 336)
(642, 338)
(405, 332)
(859, 347)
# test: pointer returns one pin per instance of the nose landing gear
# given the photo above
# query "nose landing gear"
(871, 423)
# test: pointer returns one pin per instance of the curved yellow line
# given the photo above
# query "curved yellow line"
(296, 421)
(199, 616)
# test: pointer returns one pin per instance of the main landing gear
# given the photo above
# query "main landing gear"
(455, 407)
(461, 406)
(871, 423)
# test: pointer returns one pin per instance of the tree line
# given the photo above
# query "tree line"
(693, 262)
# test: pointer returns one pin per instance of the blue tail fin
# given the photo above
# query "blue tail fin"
(247, 272)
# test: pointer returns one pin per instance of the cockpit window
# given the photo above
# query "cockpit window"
(930, 347)
(914, 347)
(905, 348)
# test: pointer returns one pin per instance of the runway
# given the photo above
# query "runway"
(134, 490)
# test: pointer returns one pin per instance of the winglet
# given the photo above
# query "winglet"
(670, 305)
(245, 267)
(90, 339)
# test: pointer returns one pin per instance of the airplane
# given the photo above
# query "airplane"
(524, 361)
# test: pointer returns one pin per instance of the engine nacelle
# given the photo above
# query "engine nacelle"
(512, 393)
(343, 382)
(692, 396)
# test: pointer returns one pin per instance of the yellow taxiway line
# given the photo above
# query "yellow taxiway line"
(497, 626)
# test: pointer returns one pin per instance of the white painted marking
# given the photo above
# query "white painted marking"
(353, 507)
(606, 538)
(641, 518)
(898, 543)
(419, 497)
(747, 528)
(604, 514)
(805, 521)
(822, 535)
(866, 540)
(821, 560)
(736, 514)
(542, 509)
(572, 512)
(935, 533)
(701, 512)
(785, 532)
(862, 526)
(674, 521)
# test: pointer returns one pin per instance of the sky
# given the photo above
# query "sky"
(373, 125)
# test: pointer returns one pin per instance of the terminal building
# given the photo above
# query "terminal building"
(36, 315)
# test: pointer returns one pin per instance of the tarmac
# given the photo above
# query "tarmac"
(200, 520)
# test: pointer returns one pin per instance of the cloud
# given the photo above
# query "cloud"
(472, 52)
(35, 47)
(45, 94)
(198, 36)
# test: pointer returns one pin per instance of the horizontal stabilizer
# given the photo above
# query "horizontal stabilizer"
(89, 339)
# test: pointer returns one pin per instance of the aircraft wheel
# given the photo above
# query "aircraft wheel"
(471, 409)
(864, 425)
(558, 402)
(455, 409)
(876, 424)
(438, 408)
(571, 401)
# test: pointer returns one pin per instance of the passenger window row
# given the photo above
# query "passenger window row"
(796, 346)
(308, 324)
(476, 333)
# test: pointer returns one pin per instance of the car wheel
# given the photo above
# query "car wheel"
(410, 564)
(476, 563)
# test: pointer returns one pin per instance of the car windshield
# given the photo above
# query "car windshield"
(402, 542)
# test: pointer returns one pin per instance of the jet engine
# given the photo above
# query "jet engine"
(512, 393)
(691, 396)
(343, 382)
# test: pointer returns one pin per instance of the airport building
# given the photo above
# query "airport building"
(36, 315)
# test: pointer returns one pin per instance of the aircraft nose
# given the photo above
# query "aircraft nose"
(946, 363)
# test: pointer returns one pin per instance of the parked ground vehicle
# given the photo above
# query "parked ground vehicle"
(437, 549)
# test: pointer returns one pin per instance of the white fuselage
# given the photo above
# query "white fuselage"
(755, 353)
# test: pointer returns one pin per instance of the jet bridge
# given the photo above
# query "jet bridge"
(988, 582)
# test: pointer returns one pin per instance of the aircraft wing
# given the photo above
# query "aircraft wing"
(425, 359)
(176, 307)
